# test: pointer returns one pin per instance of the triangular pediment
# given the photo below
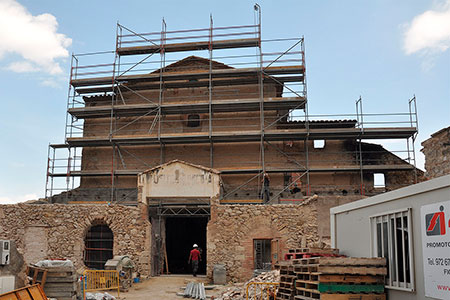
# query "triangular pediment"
(193, 63)
(182, 163)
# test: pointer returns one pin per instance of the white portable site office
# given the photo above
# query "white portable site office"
(408, 226)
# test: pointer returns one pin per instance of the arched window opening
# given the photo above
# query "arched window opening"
(98, 246)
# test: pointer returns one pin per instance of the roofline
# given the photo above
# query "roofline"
(419, 188)
(434, 135)
(183, 162)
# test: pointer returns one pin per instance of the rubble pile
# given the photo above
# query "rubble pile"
(238, 290)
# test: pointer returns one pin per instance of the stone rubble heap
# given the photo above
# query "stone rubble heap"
(238, 290)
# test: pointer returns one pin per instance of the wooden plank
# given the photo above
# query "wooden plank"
(242, 136)
(300, 297)
(352, 261)
(352, 297)
(36, 292)
(240, 201)
(71, 278)
(192, 84)
(351, 288)
(329, 278)
(318, 250)
(44, 278)
(9, 296)
(177, 76)
(33, 292)
(23, 295)
(274, 103)
(351, 270)
(64, 285)
(190, 46)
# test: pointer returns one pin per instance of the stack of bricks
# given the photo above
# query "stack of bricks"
(308, 274)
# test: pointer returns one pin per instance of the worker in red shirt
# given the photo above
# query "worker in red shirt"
(194, 257)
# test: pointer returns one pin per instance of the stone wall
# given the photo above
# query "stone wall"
(233, 228)
(57, 231)
(437, 153)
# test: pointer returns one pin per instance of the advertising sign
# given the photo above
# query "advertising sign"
(435, 219)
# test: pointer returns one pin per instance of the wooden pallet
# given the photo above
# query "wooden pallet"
(61, 283)
(344, 297)
(315, 250)
(327, 277)
(37, 275)
(352, 297)
(32, 292)
(341, 288)
(342, 265)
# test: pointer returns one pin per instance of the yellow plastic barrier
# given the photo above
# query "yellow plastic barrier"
(263, 288)
(99, 280)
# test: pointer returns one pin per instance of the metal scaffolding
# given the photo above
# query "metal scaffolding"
(136, 86)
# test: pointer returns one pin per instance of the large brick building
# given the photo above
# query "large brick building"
(220, 112)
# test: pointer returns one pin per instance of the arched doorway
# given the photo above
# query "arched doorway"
(98, 246)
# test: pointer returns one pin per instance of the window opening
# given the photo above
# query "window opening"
(379, 180)
(98, 246)
(193, 121)
(319, 144)
(391, 236)
(262, 254)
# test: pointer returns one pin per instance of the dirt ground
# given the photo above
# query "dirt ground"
(161, 287)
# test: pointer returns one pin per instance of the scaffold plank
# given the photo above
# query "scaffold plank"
(275, 103)
(191, 46)
(255, 170)
(192, 84)
(246, 136)
(190, 75)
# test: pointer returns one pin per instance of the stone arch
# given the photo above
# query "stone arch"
(98, 244)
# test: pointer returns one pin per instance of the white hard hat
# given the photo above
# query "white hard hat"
(195, 246)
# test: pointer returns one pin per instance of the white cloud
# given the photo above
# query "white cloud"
(52, 82)
(22, 67)
(34, 38)
(17, 199)
(429, 32)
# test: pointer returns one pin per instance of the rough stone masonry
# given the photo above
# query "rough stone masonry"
(233, 228)
(57, 231)
(437, 153)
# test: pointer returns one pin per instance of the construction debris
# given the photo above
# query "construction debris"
(195, 290)
(256, 292)
(99, 296)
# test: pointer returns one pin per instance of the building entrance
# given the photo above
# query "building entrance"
(181, 234)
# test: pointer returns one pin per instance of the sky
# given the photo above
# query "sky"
(384, 51)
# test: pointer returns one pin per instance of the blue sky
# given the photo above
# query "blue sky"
(385, 51)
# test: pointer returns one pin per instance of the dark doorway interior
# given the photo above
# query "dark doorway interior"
(181, 234)
(262, 254)
(98, 246)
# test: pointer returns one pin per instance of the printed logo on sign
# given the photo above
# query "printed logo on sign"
(435, 222)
